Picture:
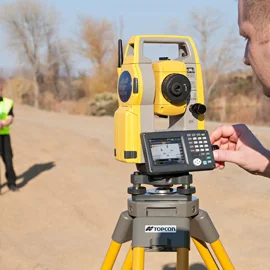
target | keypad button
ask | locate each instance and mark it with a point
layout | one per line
(197, 162)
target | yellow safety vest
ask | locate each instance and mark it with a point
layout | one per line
(5, 106)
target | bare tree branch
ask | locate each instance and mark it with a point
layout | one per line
(98, 38)
(216, 57)
(30, 25)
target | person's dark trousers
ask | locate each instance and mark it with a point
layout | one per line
(7, 155)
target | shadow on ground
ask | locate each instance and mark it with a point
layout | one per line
(32, 173)
(195, 266)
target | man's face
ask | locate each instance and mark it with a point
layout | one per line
(257, 52)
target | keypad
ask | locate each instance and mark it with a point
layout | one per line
(198, 140)
(200, 148)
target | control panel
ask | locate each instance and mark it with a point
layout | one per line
(174, 152)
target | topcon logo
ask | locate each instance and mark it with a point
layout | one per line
(160, 228)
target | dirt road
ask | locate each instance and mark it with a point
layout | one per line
(72, 192)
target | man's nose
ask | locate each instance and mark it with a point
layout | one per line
(246, 61)
(246, 56)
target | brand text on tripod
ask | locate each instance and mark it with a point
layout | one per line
(160, 228)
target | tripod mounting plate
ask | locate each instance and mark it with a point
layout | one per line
(138, 178)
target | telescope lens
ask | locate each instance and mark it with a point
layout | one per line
(176, 88)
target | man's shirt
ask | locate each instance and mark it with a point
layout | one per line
(11, 110)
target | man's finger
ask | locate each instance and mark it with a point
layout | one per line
(227, 156)
(221, 132)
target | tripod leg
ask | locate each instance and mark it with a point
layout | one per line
(138, 258)
(182, 262)
(128, 261)
(203, 229)
(221, 255)
(122, 233)
(111, 256)
(205, 254)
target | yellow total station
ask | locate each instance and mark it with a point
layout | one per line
(171, 88)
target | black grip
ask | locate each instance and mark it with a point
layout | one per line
(215, 147)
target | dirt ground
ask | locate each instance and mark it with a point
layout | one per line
(72, 192)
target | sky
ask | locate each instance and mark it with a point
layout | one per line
(139, 17)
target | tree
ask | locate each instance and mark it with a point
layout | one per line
(31, 26)
(216, 57)
(98, 40)
(98, 43)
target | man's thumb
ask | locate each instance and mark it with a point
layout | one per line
(227, 156)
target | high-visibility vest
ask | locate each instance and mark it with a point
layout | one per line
(5, 106)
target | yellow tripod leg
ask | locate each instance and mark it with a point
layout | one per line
(128, 261)
(221, 255)
(138, 258)
(205, 254)
(111, 256)
(182, 262)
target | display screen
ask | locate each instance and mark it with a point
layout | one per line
(167, 151)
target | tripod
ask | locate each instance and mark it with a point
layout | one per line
(164, 220)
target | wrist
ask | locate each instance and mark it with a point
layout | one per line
(265, 168)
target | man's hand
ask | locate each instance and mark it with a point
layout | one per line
(239, 145)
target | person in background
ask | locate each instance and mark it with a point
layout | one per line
(6, 119)
(237, 143)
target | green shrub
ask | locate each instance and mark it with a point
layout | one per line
(104, 104)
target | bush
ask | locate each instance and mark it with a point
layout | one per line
(104, 104)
